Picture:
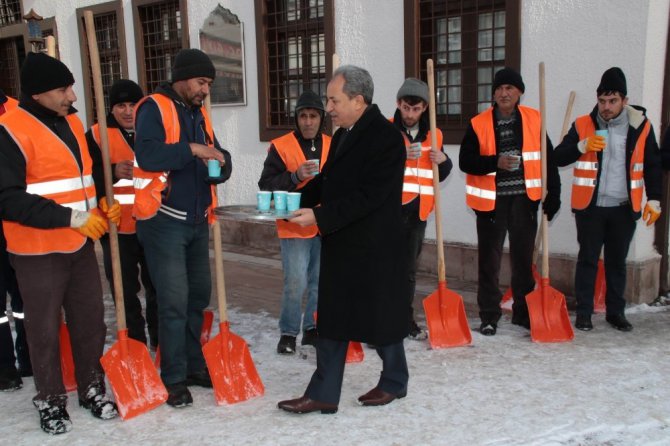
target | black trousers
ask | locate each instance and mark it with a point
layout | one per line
(331, 355)
(133, 268)
(415, 230)
(614, 228)
(515, 215)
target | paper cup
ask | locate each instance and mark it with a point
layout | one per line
(214, 168)
(315, 163)
(263, 198)
(280, 199)
(292, 201)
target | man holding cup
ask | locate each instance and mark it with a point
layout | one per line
(616, 157)
(292, 161)
(501, 157)
(411, 119)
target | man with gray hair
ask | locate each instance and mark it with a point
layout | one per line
(356, 204)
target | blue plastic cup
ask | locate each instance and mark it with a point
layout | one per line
(604, 133)
(214, 168)
(315, 163)
(280, 199)
(293, 201)
(263, 198)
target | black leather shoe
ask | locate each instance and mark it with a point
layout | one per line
(179, 395)
(378, 397)
(488, 328)
(286, 345)
(306, 405)
(522, 320)
(583, 322)
(10, 379)
(619, 322)
(200, 378)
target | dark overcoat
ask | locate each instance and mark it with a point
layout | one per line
(363, 285)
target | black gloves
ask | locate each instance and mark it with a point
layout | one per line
(551, 205)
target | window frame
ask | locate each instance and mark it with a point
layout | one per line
(454, 131)
(268, 132)
(101, 8)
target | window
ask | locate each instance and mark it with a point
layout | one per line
(12, 52)
(468, 40)
(10, 12)
(161, 30)
(294, 44)
(108, 22)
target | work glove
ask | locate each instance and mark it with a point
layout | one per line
(593, 143)
(652, 211)
(113, 214)
(89, 224)
(551, 205)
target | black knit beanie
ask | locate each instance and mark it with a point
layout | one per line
(41, 73)
(190, 63)
(508, 76)
(124, 90)
(613, 80)
(309, 99)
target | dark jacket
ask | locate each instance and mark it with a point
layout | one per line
(187, 189)
(363, 281)
(567, 153)
(665, 149)
(472, 162)
(16, 203)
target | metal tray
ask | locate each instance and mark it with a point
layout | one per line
(249, 212)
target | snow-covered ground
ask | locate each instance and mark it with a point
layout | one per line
(605, 388)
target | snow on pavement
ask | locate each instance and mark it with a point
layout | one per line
(604, 388)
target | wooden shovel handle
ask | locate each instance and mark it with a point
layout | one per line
(441, 274)
(107, 167)
(543, 146)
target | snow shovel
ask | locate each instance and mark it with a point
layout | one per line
(549, 321)
(134, 380)
(445, 313)
(507, 298)
(233, 373)
(600, 288)
(66, 361)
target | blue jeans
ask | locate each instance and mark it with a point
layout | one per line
(301, 259)
(177, 254)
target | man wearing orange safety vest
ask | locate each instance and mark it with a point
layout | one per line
(411, 119)
(612, 169)
(123, 95)
(10, 376)
(500, 155)
(174, 202)
(51, 218)
(288, 167)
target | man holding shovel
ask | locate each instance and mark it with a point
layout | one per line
(411, 119)
(292, 161)
(50, 217)
(356, 203)
(500, 155)
(123, 95)
(616, 157)
(174, 200)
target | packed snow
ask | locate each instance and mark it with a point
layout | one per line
(604, 388)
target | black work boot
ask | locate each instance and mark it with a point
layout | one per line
(54, 418)
(619, 322)
(286, 345)
(98, 402)
(179, 395)
(583, 322)
(200, 378)
(309, 337)
(10, 379)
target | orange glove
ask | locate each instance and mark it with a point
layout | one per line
(95, 227)
(113, 213)
(594, 143)
(652, 211)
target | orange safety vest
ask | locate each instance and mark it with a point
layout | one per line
(124, 192)
(9, 104)
(585, 172)
(291, 153)
(419, 176)
(149, 185)
(53, 173)
(480, 190)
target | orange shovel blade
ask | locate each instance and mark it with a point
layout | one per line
(233, 373)
(549, 320)
(135, 382)
(208, 318)
(66, 361)
(600, 289)
(446, 319)
(355, 352)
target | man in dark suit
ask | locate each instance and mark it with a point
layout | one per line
(362, 285)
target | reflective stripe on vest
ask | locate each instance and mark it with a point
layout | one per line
(585, 172)
(418, 179)
(120, 150)
(480, 190)
(149, 185)
(53, 173)
(292, 155)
